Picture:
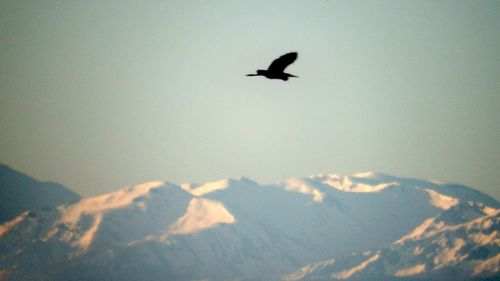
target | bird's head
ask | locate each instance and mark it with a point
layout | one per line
(261, 72)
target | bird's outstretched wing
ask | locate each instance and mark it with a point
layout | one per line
(279, 64)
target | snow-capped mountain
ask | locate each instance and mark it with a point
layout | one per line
(317, 228)
(461, 243)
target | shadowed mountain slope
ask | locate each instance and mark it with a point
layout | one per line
(19, 193)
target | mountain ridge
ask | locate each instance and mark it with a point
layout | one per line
(20, 192)
(450, 246)
(239, 229)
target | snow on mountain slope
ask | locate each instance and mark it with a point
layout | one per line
(201, 214)
(349, 184)
(462, 243)
(81, 234)
(206, 188)
(441, 201)
(300, 186)
(466, 215)
(345, 274)
(374, 182)
(239, 229)
(10, 224)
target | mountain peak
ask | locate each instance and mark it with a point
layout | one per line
(73, 216)
(369, 175)
(233, 229)
(209, 187)
(302, 186)
(362, 182)
(199, 190)
(201, 214)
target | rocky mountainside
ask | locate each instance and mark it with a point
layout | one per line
(19, 193)
(461, 243)
(323, 227)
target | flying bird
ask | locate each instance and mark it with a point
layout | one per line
(277, 68)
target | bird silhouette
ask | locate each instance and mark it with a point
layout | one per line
(277, 68)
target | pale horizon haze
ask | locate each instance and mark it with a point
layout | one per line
(97, 95)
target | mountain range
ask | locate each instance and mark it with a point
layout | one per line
(368, 226)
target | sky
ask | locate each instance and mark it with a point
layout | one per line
(98, 95)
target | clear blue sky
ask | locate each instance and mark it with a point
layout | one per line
(101, 94)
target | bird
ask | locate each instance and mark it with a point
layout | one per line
(277, 67)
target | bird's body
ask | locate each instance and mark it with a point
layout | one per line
(277, 68)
